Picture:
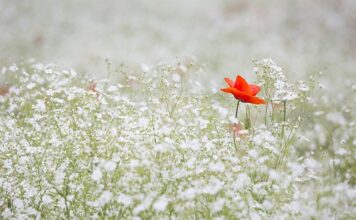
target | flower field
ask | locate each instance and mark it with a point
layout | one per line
(214, 134)
(158, 145)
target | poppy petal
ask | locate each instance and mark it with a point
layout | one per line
(243, 96)
(230, 90)
(256, 100)
(254, 89)
(229, 82)
(241, 84)
(236, 93)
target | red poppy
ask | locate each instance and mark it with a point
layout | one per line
(243, 91)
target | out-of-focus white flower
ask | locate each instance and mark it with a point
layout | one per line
(109, 166)
(336, 118)
(31, 85)
(124, 199)
(40, 106)
(104, 198)
(112, 88)
(176, 77)
(46, 200)
(161, 204)
(218, 205)
(242, 180)
(97, 175)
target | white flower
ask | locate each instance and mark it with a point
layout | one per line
(104, 198)
(176, 77)
(145, 67)
(59, 177)
(13, 68)
(146, 203)
(46, 200)
(188, 193)
(110, 166)
(40, 106)
(97, 175)
(272, 75)
(336, 118)
(303, 87)
(48, 71)
(124, 199)
(218, 205)
(241, 181)
(143, 122)
(18, 203)
(217, 167)
(161, 204)
(31, 85)
(112, 88)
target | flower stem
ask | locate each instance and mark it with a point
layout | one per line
(284, 116)
(237, 108)
(266, 114)
(235, 125)
(280, 159)
(248, 118)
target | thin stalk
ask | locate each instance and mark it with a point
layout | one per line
(266, 114)
(235, 125)
(333, 155)
(272, 113)
(267, 104)
(280, 159)
(248, 118)
(237, 108)
(154, 129)
(284, 116)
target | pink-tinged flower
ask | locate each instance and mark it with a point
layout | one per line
(92, 87)
(238, 129)
(4, 90)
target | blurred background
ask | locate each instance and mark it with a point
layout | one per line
(224, 36)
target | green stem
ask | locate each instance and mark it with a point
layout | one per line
(248, 118)
(266, 114)
(234, 131)
(285, 148)
(284, 116)
(333, 155)
(237, 108)
(280, 159)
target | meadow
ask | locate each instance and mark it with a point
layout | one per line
(127, 117)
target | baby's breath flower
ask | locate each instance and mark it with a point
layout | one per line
(157, 146)
(97, 175)
(272, 77)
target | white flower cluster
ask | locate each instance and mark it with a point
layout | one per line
(71, 148)
(274, 81)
